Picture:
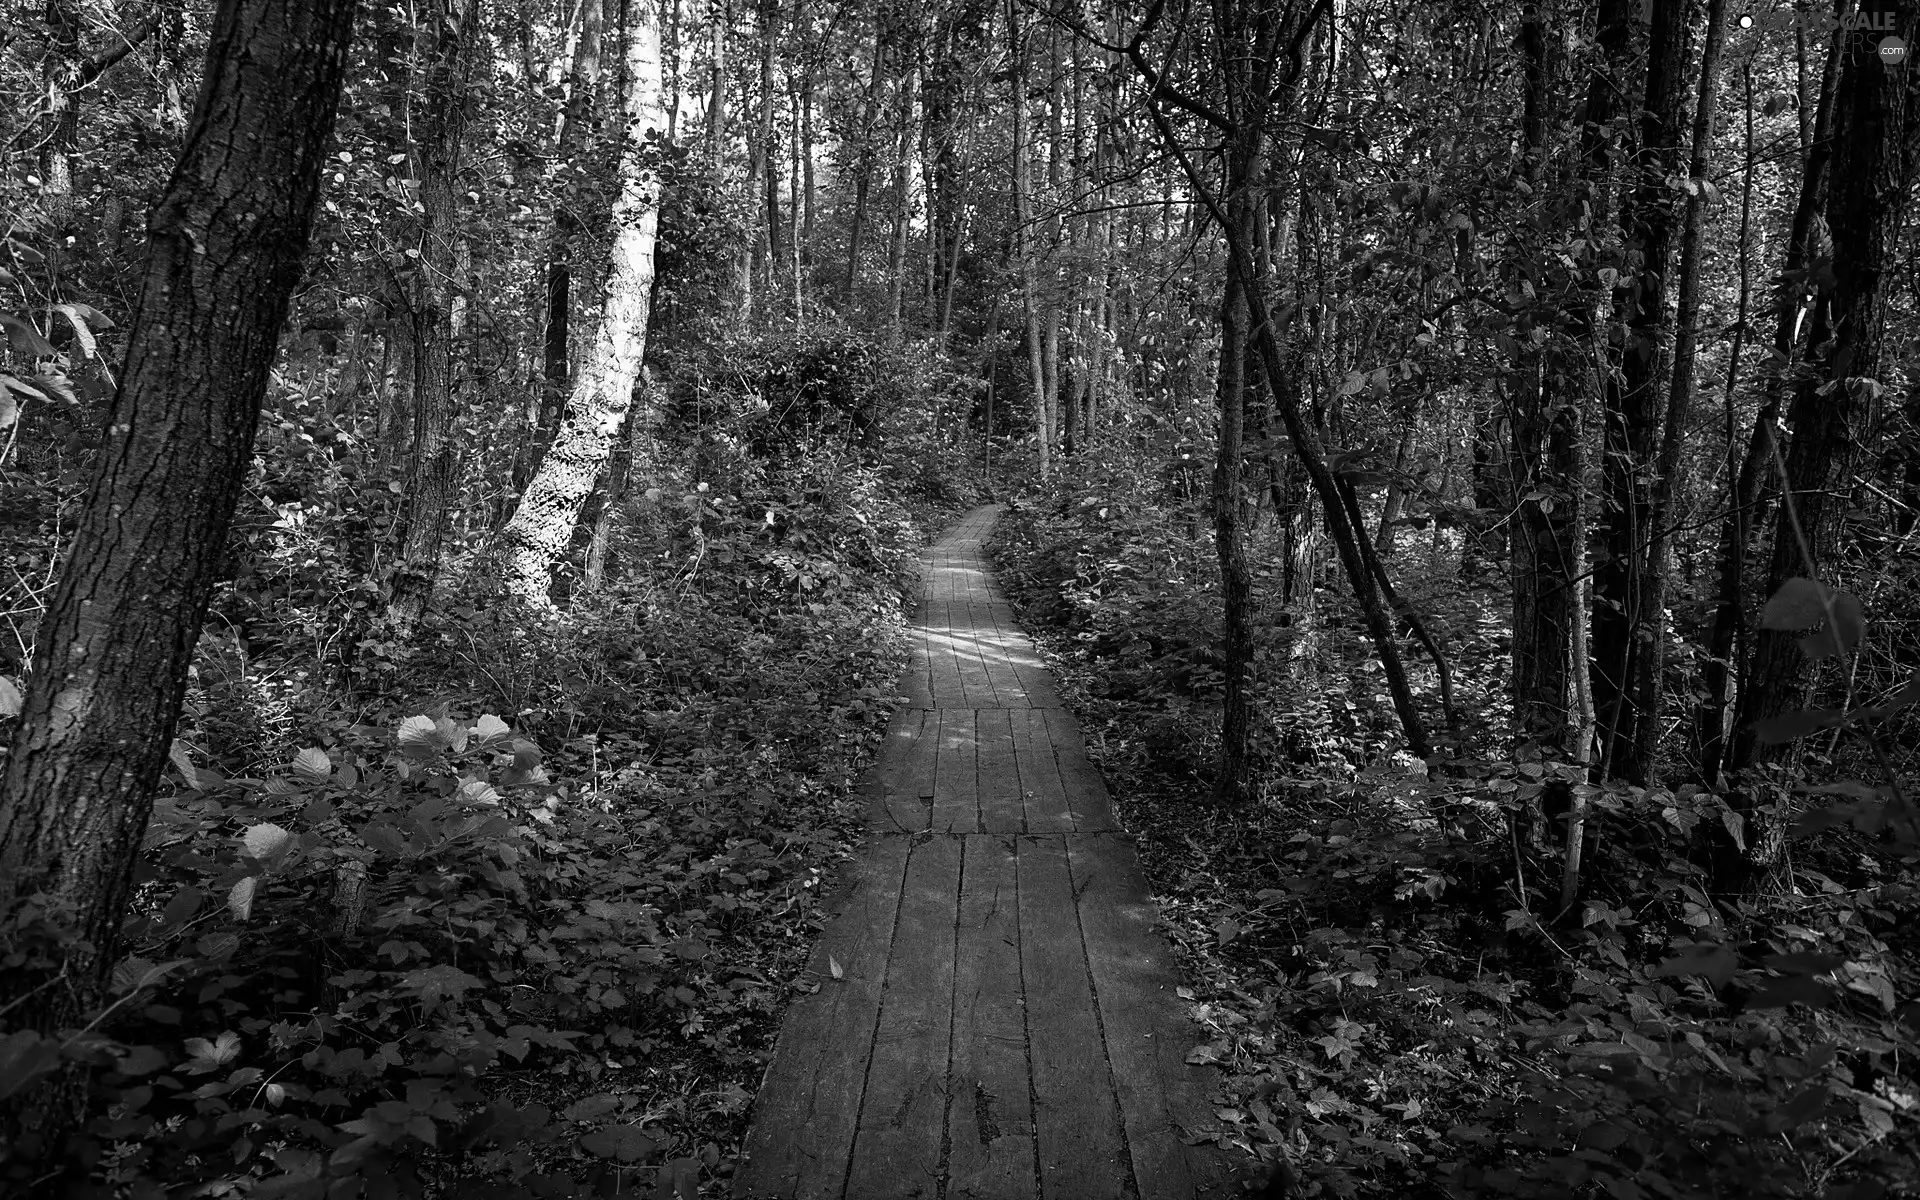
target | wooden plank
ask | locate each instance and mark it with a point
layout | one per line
(1162, 1099)
(956, 805)
(1047, 810)
(896, 1151)
(1029, 668)
(970, 656)
(996, 653)
(1002, 810)
(804, 1118)
(1076, 1116)
(907, 775)
(943, 668)
(882, 780)
(992, 1155)
(1086, 790)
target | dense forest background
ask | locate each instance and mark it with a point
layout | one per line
(462, 464)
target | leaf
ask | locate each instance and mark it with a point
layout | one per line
(418, 733)
(211, 1056)
(385, 839)
(134, 973)
(834, 968)
(13, 383)
(592, 1108)
(25, 1059)
(240, 899)
(140, 1060)
(56, 383)
(1791, 989)
(450, 735)
(95, 319)
(180, 909)
(1802, 1108)
(1789, 726)
(624, 1142)
(679, 1180)
(1839, 636)
(1804, 962)
(1909, 693)
(1351, 384)
(177, 755)
(1799, 604)
(1736, 826)
(25, 339)
(10, 698)
(312, 766)
(1709, 960)
(489, 727)
(266, 840)
(479, 791)
(82, 336)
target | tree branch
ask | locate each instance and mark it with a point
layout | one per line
(92, 66)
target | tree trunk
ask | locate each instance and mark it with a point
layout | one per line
(1023, 243)
(451, 38)
(863, 161)
(1730, 638)
(722, 16)
(1649, 218)
(1650, 664)
(1250, 72)
(575, 118)
(902, 205)
(806, 169)
(110, 660)
(619, 487)
(1233, 781)
(766, 168)
(541, 527)
(1866, 203)
(1543, 464)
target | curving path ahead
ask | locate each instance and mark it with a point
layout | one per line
(996, 1017)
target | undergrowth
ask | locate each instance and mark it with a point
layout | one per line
(509, 906)
(1377, 962)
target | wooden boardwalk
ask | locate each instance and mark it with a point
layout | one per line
(996, 1017)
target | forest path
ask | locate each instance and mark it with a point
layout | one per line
(995, 1017)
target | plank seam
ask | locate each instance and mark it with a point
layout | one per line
(1077, 887)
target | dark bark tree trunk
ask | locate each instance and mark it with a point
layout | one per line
(1649, 219)
(110, 659)
(1650, 661)
(1544, 426)
(1233, 779)
(1867, 200)
(1258, 76)
(450, 40)
(1729, 639)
